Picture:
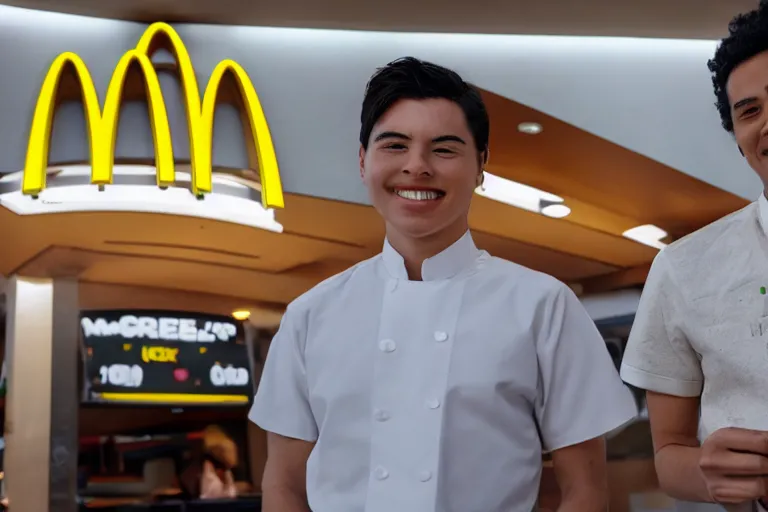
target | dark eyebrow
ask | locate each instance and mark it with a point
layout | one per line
(391, 135)
(744, 102)
(448, 138)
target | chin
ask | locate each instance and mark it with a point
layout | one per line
(417, 229)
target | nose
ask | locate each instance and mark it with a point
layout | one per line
(417, 164)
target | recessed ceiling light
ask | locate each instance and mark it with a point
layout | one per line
(647, 234)
(556, 211)
(515, 194)
(522, 196)
(241, 314)
(530, 128)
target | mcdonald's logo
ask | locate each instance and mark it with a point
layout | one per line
(102, 123)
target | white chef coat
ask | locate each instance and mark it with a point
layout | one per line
(437, 395)
(702, 325)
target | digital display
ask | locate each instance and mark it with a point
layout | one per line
(164, 357)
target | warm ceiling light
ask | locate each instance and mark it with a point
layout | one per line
(241, 314)
(530, 128)
(556, 211)
(522, 196)
(647, 234)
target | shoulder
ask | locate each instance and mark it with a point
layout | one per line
(332, 288)
(687, 260)
(517, 278)
(524, 298)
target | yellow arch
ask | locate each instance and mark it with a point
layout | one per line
(200, 118)
(271, 186)
(202, 179)
(102, 126)
(158, 116)
(36, 163)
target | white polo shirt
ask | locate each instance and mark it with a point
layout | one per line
(437, 395)
(702, 324)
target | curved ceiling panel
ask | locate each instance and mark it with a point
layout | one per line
(651, 18)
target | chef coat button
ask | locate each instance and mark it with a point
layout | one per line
(433, 404)
(380, 473)
(425, 476)
(387, 346)
(380, 415)
(441, 335)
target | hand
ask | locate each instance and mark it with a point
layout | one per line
(213, 487)
(734, 463)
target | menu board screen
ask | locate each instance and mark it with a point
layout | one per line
(165, 357)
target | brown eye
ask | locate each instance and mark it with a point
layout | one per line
(750, 111)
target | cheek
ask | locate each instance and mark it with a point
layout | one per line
(463, 183)
(372, 178)
(378, 172)
(748, 140)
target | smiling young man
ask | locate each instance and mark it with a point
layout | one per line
(430, 377)
(699, 344)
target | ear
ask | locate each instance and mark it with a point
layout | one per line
(483, 162)
(361, 161)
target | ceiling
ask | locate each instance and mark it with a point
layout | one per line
(706, 19)
(609, 189)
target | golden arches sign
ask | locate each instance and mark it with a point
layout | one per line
(102, 124)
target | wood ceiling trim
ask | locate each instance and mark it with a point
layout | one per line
(147, 271)
(100, 296)
(177, 236)
(181, 247)
(333, 220)
(557, 234)
(626, 278)
(590, 170)
(559, 264)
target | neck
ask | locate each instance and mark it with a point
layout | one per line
(415, 250)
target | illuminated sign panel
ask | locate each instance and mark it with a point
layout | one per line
(165, 358)
(102, 123)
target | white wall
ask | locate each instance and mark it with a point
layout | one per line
(651, 96)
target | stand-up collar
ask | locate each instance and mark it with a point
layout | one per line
(452, 261)
(762, 204)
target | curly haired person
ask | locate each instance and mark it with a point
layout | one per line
(699, 345)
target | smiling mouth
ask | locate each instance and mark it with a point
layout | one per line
(420, 195)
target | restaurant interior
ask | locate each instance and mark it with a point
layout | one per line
(139, 270)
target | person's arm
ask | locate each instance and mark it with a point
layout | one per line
(282, 408)
(660, 359)
(731, 466)
(674, 427)
(285, 475)
(581, 398)
(582, 476)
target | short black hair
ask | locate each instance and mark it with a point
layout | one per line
(411, 78)
(747, 37)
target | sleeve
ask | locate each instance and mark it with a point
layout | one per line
(659, 356)
(281, 405)
(581, 396)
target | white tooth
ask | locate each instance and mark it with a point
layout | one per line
(418, 195)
